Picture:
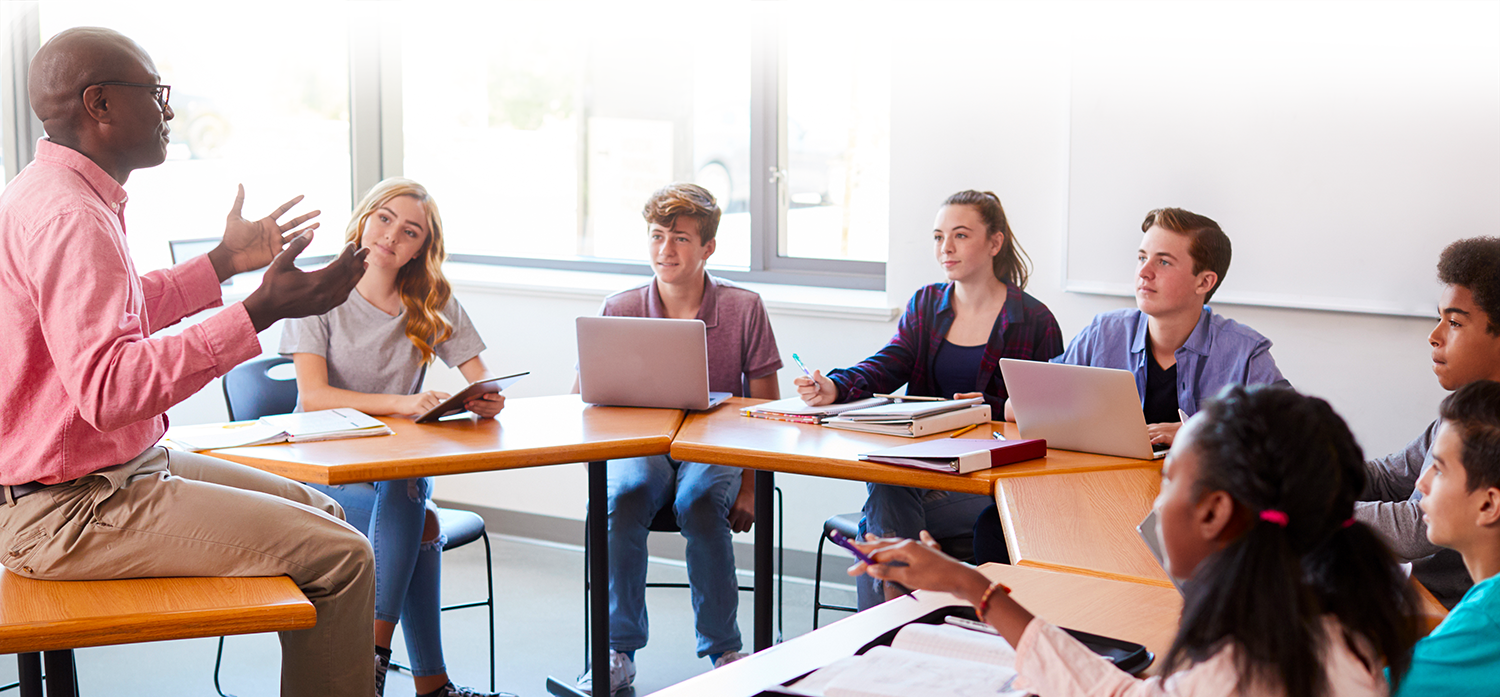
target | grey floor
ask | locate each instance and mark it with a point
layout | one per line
(539, 632)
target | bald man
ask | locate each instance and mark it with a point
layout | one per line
(84, 384)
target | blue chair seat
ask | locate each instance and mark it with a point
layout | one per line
(460, 527)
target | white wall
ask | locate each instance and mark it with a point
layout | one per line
(980, 100)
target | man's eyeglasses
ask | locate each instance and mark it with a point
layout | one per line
(162, 92)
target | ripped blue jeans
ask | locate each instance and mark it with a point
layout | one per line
(408, 572)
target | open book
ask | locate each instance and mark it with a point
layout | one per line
(923, 660)
(328, 424)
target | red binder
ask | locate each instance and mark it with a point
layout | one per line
(960, 455)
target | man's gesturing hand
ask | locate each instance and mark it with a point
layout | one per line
(287, 291)
(248, 245)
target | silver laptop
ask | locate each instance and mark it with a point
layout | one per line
(1091, 410)
(644, 362)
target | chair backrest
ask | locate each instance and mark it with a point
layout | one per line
(250, 392)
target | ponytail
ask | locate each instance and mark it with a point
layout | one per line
(1294, 472)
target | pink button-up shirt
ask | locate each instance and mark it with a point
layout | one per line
(82, 384)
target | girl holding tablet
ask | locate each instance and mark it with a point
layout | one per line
(949, 344)
(371, 354)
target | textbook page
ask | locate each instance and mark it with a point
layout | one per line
(956, 642)
(891, 672)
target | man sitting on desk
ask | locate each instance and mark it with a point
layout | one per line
(83, 384)
(1465, 348)
(709, 500)
(1180, 350)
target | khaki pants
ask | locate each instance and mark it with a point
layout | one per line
(180, 514)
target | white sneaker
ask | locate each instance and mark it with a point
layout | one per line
(728, 657)
(621, 674)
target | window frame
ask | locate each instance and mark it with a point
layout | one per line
(376, 144)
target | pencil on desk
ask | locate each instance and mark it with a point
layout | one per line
(964, 430)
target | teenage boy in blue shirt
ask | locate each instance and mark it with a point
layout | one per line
(1461, 506)
(1180, 350)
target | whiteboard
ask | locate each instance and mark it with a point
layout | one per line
(1340, 145)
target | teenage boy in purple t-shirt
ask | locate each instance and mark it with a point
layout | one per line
(710, 501)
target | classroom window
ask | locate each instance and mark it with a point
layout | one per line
(542, 127)
(837, 133)
(252, 105)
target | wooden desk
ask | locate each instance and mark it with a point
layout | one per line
(1130, 611)
(530, 432)
(1082, 523)
(58, 616)
(721, 436)
(1085, 523)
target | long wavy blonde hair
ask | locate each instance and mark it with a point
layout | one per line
(424, 290)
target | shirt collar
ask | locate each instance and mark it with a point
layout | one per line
(708, 310)
(1198, 342)
(103, 185)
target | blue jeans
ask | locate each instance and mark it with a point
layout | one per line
(903, 511)
(700, 496)
(408, 572)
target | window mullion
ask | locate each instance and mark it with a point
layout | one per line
(767, 139)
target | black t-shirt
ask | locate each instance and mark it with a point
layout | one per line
(955, 368)
(1161, 392)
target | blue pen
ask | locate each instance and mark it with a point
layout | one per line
(800, 365)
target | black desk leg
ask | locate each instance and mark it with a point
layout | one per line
(62, 677)
(598, 533)
(765, 545)
(29, 673)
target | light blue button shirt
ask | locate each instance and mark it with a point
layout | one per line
(1219, 352)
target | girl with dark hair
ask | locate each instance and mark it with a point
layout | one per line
(1284, 593)
(948, 344)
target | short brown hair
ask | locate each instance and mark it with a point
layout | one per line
(1209, 246)
(1474, 412)
(1474, 263)
(1011, 264)
(686, 199)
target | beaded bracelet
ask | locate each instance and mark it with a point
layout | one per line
(984, 600)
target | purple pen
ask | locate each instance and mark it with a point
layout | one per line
(839, 539)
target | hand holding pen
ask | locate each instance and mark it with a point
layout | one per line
(814, 389)
(839, 539)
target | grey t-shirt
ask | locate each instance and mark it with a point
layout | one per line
(1390, 506)
(367, 350)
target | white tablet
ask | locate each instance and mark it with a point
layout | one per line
(455, 404)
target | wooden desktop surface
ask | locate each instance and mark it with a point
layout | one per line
(722, 436)
(53, 615)
(1130, 611)
(529, 432)
(1085, 523)
(1082, 523)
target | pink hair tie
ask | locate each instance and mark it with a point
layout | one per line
(1348, 523)
(1271, 515)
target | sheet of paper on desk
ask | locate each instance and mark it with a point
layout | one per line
(887, 672)
(326, 424)
(936, 660)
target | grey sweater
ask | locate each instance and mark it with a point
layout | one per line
(1390, 506)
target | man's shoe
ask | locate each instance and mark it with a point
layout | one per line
(451, 690)
(621, 674)
(728, 657)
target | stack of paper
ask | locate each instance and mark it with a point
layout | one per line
(915, 423)
(328, 424)
(794, 409)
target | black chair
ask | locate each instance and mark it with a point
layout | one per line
(960, 547)
(848, 525)
(666, 521)
(250, 392)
